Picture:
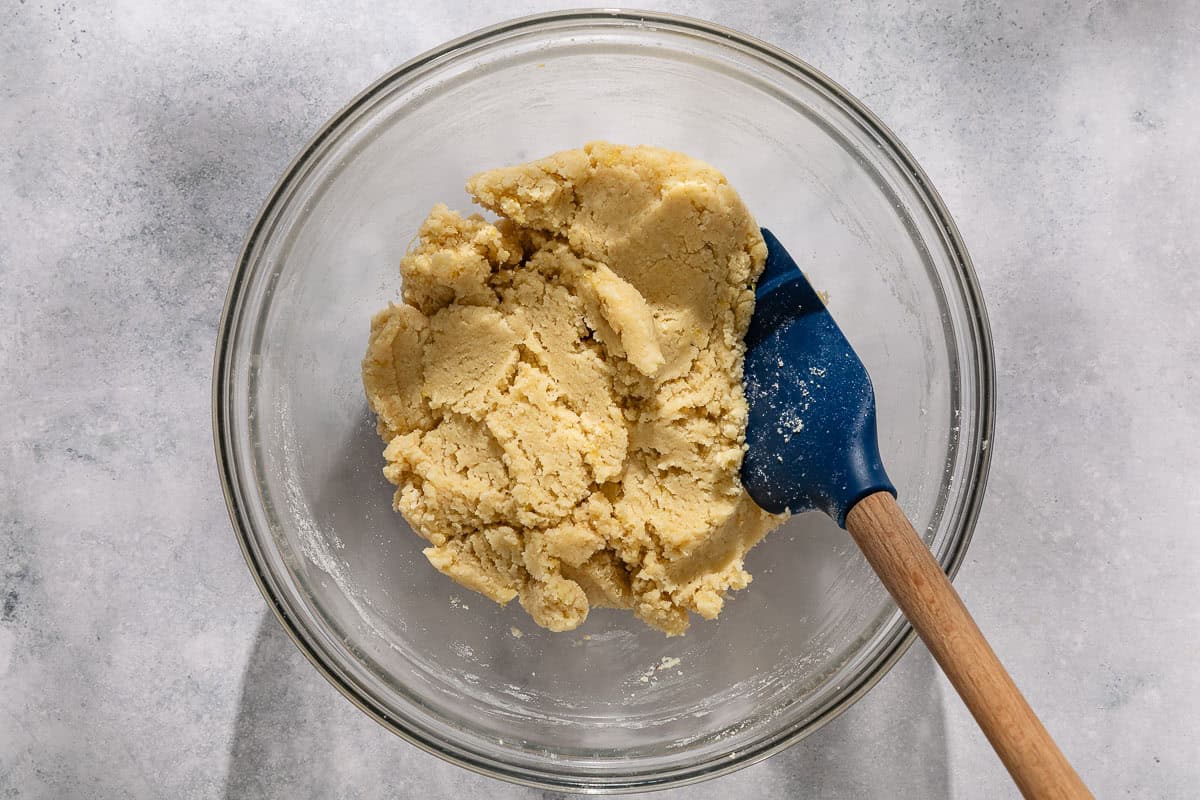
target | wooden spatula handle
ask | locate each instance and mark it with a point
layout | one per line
(928, 599)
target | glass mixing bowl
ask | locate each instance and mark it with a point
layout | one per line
(612, 705)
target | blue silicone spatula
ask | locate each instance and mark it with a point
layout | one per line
(813, 445)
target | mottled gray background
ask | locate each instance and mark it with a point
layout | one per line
(137, 142)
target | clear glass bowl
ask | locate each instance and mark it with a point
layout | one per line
(613, 705)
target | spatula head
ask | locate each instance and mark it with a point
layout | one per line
(811, 434)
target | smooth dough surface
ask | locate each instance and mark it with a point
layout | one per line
(561, 390)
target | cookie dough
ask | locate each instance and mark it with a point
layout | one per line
(561, 390)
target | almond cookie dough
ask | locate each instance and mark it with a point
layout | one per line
(561, 390)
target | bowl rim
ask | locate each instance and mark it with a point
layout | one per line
(977, 466)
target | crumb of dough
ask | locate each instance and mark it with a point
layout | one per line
(561, 390)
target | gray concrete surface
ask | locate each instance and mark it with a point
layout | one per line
(137, 142)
